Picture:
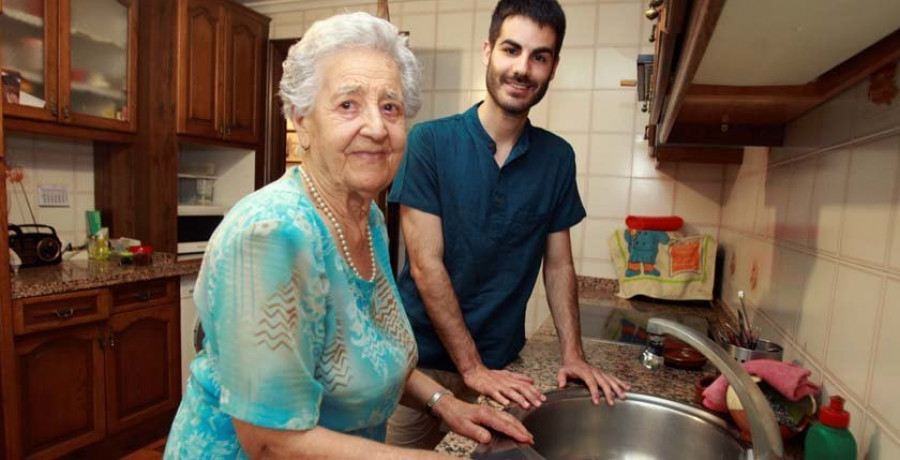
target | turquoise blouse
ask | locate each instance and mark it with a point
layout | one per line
(294, 338)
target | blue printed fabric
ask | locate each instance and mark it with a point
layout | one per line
(294, 338)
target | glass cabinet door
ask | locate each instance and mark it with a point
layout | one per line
(97, 76)
(28, 29)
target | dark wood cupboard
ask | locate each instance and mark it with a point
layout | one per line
(142, 365)
(60, 385)
(71, 63)
(79, 384)
(221, 48)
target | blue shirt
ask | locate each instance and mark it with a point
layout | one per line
(294, 338)
(495, 223)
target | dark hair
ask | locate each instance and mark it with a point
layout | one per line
(544, 12)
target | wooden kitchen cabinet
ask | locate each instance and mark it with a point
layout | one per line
(71, 62)
(61, 390)
(87, 386)
(220, 70)
(142, 365)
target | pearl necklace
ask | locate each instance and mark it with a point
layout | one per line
(337, 228)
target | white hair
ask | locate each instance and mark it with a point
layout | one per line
(301, 81)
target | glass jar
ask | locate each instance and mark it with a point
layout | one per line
(98, 247)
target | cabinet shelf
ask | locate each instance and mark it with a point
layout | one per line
(24, 18)
(109, 93)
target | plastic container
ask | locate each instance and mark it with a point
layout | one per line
(143, 255)
(829, 438)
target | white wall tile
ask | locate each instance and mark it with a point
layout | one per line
(570, 110)
(651, 197)
(791, 269)
(454, 31)
(827, 207)
(580, 26)
(421, 29)
(849, 346)
(803, 134)
(421, 6)
(596, 236)
(618, 24)
(613, 110)
(698, 202)
(870, 191)
(877, 444)
(814, 308)
(894, 256)
(610, 155)
(700, 172)
(886, 376)
(772, 202)
(482, 29)
(796, 225)
(427, 58)
(448, 103)
(612, 65)
(579, 143)
(608, 197)
(540, 114)
(598, 269)
(455, 5)
(573, 70)
(452, 69)
(576, 236)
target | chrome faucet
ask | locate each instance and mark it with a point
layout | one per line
(763, 426)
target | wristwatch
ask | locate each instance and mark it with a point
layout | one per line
(435, 398)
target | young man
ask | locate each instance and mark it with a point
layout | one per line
(485, 198)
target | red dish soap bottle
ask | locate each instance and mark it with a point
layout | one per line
(829, 438)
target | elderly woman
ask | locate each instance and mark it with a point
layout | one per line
(307, 349)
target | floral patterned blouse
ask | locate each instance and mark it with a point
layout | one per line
(294, 338)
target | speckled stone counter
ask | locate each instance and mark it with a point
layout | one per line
(71, 276)
(540, 359)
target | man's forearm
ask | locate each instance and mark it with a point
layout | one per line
(562, 295)
(443, 309)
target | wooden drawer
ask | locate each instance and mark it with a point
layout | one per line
(133, 296)
(60, 310)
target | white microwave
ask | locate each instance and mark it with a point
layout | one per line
(196, 225)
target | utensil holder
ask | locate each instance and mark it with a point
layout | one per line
(764, 350)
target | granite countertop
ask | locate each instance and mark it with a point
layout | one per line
(76, 275)
(540, 360)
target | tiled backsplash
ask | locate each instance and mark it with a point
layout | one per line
(819, 254)
(52, 161)
(585, 105)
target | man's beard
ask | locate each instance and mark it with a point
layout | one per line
(517, 106)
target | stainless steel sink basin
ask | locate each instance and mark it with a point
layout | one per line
(569, 426)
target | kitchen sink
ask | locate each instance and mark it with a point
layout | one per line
(569, 426)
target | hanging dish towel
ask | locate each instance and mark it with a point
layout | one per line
(663, 265)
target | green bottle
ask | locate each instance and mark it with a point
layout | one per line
(829, 438)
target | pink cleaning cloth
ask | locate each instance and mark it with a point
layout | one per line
(789, 379)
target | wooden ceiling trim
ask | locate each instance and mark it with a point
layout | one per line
(704, 16)
(781, 104)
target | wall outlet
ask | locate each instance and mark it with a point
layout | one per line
(53, 196)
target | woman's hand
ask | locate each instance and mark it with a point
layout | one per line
(472, 421)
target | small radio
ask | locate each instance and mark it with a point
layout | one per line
(35, 244)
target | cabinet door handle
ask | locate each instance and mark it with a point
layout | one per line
(66, 112)
(228, 131)
(221, 131)
(64, 313)
(54, 110)
(143, 296)
(112, 340)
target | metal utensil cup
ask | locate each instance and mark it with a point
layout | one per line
(764, 350)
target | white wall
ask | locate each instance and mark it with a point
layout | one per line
(585, 105)
(819, 221)
(52, 161)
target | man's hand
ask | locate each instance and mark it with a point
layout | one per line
(595, 379)
(504, 386)
(472, 421)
